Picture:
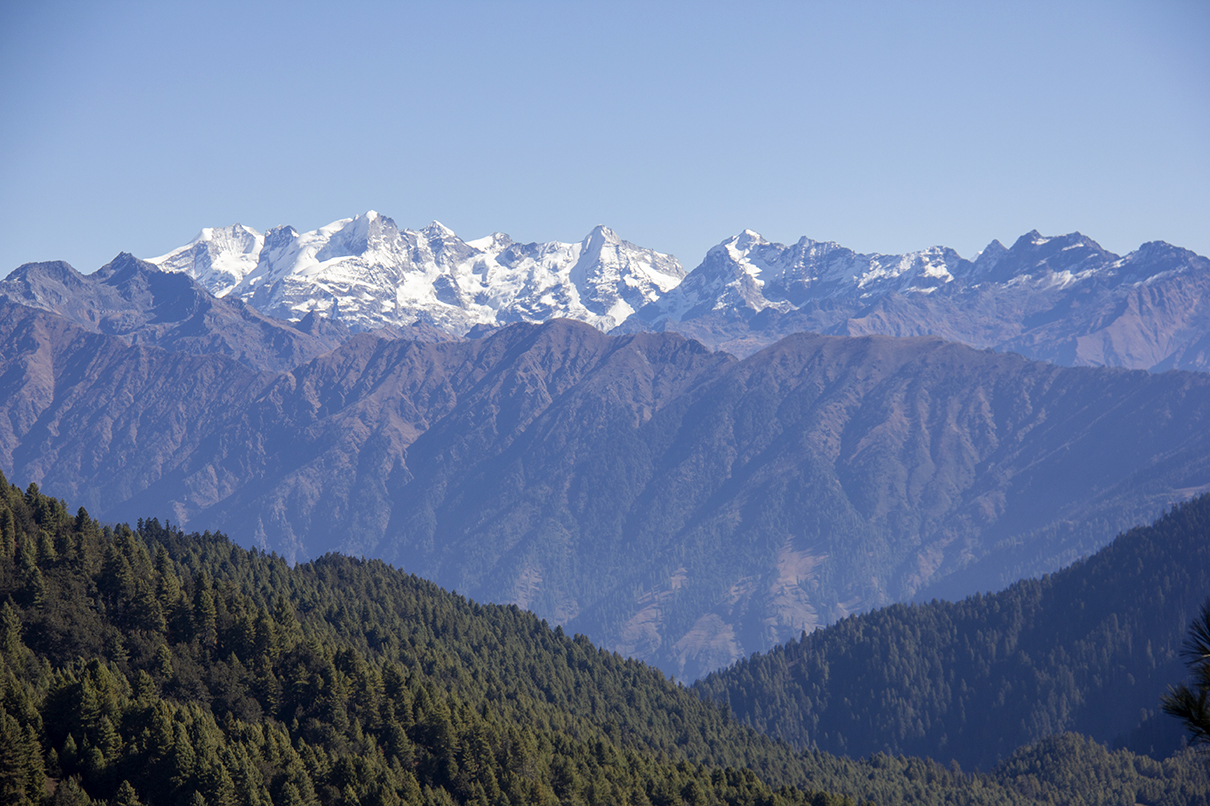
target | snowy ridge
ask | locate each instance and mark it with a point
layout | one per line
(218, 258)
(369, 273)
(1058, 298)
(746, 274)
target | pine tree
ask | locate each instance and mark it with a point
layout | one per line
(163, 663)
(13, 782)
(35, 768)
(109, 741)
(1191, 704)
(126, 796)
(205, 614)
(10, 633)
(70, 793)
(8, 534)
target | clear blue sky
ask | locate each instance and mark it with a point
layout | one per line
(886, 126)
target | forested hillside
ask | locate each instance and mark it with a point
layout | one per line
(1090, 649)
(151, 666)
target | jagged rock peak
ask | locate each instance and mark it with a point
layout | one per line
(126, 263)
(747, 239)
(602, 234)
(438, 231)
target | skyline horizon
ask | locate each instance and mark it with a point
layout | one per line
(883, 128)
(687, 265)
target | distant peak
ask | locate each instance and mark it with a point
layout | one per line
(747, 239)
(364, 222)
(1071, 240)
(436, 229)
(600, 236)
(990, 256)
(993, 249)
(497, 241)
(54, 268)
(1156, 247)
(375, 220)
(211, 234)
(1031, 238)
(125, 264)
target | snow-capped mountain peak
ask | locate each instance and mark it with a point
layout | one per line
(373, 274)
(355, 236)
(601, 234)
(369, 273)
(495, 243)
(986, 260)
(218, 258)
(438, 231)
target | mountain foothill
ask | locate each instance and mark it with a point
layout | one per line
(1091, 648)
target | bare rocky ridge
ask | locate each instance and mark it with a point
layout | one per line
(674, 503)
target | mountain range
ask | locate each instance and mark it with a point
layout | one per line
(675, 503)
(760, 474)
(1061, 299)
(367, 273)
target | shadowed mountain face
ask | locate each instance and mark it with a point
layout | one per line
(135, 300)
(1091, 649)
(676, 504)
(93, 415)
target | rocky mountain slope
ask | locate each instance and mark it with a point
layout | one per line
(674, 503)
(1061, 299)
(135, 300)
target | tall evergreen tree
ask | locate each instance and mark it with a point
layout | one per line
(1191, 703)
